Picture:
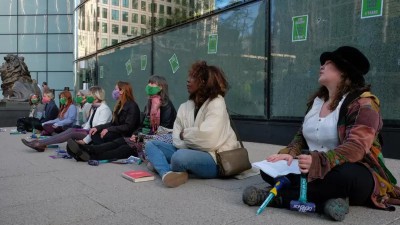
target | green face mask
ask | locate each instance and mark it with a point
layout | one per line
(90, 99)
(63, 101)
(34, 101)
(78, 99)
(150, 90)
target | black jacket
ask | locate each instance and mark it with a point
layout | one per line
(126, 122)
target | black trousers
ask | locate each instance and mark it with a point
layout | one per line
(28, 124)
(349, 180)
(110, 136)
(116, 149)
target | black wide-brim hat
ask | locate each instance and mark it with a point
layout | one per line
(348, 60)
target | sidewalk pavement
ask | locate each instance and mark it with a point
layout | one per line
(36, 189)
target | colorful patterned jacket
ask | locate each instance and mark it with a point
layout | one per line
(358, 127)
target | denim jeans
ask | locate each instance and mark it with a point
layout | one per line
(165, 157)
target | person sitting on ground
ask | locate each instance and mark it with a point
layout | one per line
(341, 129)
(125, 117)
(201, 128)
(35, 114)
(66, 117)
(100, 113)
(83, 106)
(50, 109)
(124, 147)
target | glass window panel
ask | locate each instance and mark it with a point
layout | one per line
(61, 24)
(134, 18)
(59, 80)
(124, 30)
(115, 2)
(125, 16)
(104, 12)
(125, 3)
(115, 29)
(161, 9)
(35, 62)
(60, 62)
(32, 24)
(8, 24)
(26, 7)
(135, 4)
(105, 1)
(143, 19)
(42, 76)
(143, 6)
(60, 42)
(114, 14)
(32, 43)
(61, 6)
(240, 53)
(104, 27)
(134, 31)
(8, 43)
(114, 41)
(11, 8)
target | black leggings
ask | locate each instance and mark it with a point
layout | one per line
(116, 149)
(349, 180)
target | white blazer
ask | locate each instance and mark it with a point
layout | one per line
(211, 131)
(103, 115)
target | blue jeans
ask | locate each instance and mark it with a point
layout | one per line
(165, 157)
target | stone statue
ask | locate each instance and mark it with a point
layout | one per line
(17, 83)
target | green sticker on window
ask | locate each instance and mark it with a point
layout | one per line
(299, 28)
(128, 67)
(101, 72)
(173, 61)
(143, 62)
(371, 8)
(212, 43)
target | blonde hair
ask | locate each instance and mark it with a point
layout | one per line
(98, 92)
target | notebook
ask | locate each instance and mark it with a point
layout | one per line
(279, 168)
(137, 175)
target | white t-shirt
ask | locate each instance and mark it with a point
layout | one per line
(321, 133)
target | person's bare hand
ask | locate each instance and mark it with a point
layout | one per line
(133, 138)
(277, 157)
(81, 142)
(304, 163)
(92, 131)
(103, 133)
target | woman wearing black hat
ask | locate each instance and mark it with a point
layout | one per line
(341, 130)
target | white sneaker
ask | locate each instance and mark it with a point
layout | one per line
(174, 179)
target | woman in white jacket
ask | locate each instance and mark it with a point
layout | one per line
(201, 128)
(100, 113)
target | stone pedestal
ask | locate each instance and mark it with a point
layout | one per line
(11, 111)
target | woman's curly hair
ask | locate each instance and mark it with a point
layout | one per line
(211, 80)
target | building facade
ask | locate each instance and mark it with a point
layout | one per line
(42, 32)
